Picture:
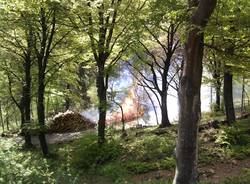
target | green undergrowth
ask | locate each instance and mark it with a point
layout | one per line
(143, 150)
(28, 166)
(118, 159)
(226, 143)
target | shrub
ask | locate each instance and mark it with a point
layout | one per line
(115, 171)
(232, 136)
(89, 153)
(140, 167)
(167, 163)
(152, 148)
(22, 167)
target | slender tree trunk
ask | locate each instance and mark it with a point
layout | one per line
(164, 111)
(122, 119)
(22, 119)
(217, 79)
(1, 117)
(243, 96)
(27, 101)
(211, 95)
(228, 95)
(218, 93)
(164, 92)
(67, 99)
(7, 120)
(41, 115)
(102, 96)
(16, 120)
(189, 94)
(152, 102)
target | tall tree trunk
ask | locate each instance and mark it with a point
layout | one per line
(218, 93)
(1, 117)
(189, 94)
(7, 120)
(164, 92)
(153, 105)
(123, 120)
(242, 109)
(67, 99)
(41, 114)
(27, 101)
(217, 78)
(164, 111)
(102, 96)
(228, 95)
(22, 119)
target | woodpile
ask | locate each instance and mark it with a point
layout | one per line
(69, 121)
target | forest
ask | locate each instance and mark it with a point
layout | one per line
(124, 91)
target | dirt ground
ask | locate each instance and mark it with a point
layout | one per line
(211, 173)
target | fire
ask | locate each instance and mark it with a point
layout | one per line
(131, 109)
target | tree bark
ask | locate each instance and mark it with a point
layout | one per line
(1, 117)
(41, 114)
(242, 109)
(216, 73)
(102, 96)
(164, 111)
(228, 95)
(218, 93)
(7, 120)
(189, 94)
(67, 99)
(27, 99)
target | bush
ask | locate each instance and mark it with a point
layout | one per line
(140, 167)
(167, 163)
(115, 171)
(89, 154)
(152, 148)
(232, 136)
(240, 152)
(22, 167)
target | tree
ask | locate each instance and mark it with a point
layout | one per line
(229, 38)
(108, 31)
(228, 91)
(20, 46)
(159, 42)
(215, 67)
(159, 61)
(189, 94)
(48, 36)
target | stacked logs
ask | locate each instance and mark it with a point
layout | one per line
(69, 121)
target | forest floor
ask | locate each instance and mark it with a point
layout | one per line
(145, 156)
(213, 173)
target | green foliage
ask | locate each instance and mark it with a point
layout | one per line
(114, 170)
(29, 167)
(90, 154)
(167, 163)
(232, 136)
(235, 140)
(140, 167)
(22, 167)
(212, 155)
(152, 147)
(144, 167)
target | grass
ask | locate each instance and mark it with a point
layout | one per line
(142, 151)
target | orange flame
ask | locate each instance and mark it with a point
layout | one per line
(131, 109)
